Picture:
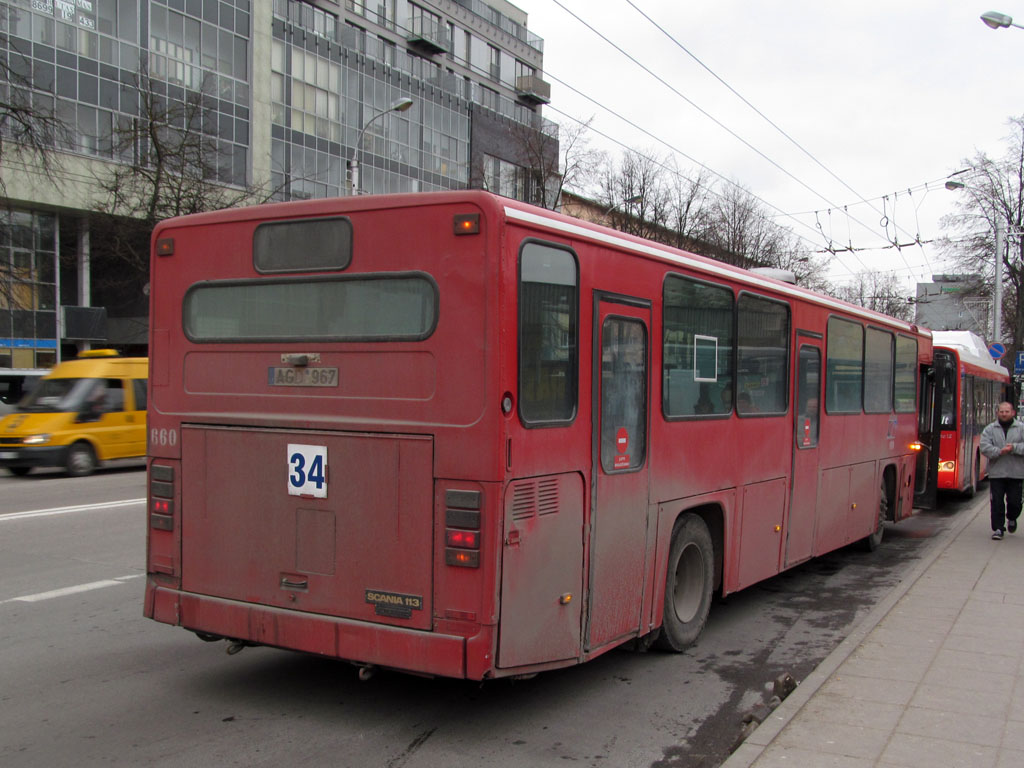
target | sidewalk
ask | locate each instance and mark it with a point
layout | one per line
(932, 678)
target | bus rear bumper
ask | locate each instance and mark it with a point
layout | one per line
(428, 653)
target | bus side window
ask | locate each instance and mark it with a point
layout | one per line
(844, 366)
(762, 379)
(905, 375)
(697, 357)
(808, 385)
(878, 369)
(548, 328)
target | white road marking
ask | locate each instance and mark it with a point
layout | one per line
(63, 592)
(69, 510)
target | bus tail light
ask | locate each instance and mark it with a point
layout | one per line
(161, 497)
(462, 539)
(947, 466)
(462, 528)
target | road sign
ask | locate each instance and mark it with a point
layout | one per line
(1018, 365)
(996, 349)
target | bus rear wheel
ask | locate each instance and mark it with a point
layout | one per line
(689, 581)
(874, 540)
(19, 471)
(81, 460)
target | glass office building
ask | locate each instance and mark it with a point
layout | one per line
(286, 93)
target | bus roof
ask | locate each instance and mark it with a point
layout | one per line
(970, 348)
(524, 213)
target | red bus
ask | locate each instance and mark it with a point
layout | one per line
(453, 434)
(972, 385)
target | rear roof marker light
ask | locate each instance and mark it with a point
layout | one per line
(467, 224)
(165, 246)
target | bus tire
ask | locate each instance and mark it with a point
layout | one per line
(19, 471)
(81, 459)
(874, 540)
(689, 581)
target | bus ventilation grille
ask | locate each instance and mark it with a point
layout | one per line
(534, 497)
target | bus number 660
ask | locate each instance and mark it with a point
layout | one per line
(163, 437)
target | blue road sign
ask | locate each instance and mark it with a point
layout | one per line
(1018, 365)
(996, 349)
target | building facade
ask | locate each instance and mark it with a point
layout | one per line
(287, 96)
(954, 303)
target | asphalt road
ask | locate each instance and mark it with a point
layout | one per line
(86, 680)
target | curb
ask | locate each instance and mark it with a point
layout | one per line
(755, 744)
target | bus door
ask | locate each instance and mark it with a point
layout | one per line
(619, 506)
(804, 487)
(935, 407)
(965, 431)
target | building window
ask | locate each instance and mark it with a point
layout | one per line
(28, 290)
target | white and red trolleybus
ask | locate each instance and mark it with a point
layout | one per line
(972, 384)
(453, 434)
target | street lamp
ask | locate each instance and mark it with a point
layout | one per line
(399, 105)
(997, 291)
(997, 20)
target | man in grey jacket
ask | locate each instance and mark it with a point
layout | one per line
(1002, 442)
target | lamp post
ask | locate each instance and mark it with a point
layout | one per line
(997, 20)
(399, 105)
(997, 291)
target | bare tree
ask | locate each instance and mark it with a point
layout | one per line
(168, 166)
(636, 196)
(994, 193)
(688, 215)
(878, 291)
(740, 227)
(29, 126)
(550, 157)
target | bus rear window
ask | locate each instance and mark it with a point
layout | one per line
(306, 245)
(377, 308)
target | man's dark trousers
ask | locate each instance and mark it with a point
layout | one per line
(1005, 500)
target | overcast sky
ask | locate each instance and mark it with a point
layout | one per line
(888, 95)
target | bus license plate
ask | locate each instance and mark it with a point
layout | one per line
(302, 377)
(9, 455)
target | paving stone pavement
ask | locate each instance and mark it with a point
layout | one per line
(932, 678)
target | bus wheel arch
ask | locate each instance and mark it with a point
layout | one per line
(689, 582)
(80, 459)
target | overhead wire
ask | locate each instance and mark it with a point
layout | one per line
(702, 111)
(761, 114)
(622, 144)
(673, 148)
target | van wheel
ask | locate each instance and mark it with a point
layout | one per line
(19, 471)
(81, 460)
(689, 580)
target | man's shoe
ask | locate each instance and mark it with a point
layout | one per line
(997, 534)
(1011, 526)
